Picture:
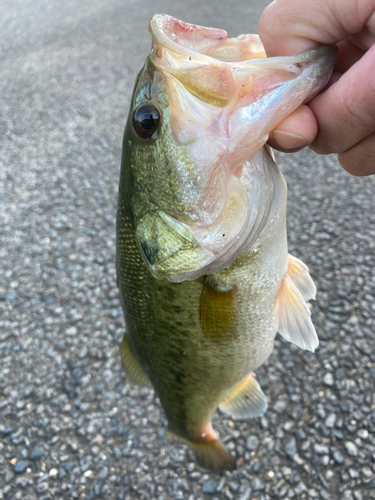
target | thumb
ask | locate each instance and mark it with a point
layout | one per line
(290, 26)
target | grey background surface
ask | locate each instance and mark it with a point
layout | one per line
(71, 425)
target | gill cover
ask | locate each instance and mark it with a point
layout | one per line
(201, 184)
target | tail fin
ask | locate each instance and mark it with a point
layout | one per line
(213, 455)
(210, 451)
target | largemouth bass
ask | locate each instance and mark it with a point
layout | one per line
(203, 268)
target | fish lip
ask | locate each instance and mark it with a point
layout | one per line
(293, 63)
(160, 23)
(310, 55)
(157, 28)
(318, 52)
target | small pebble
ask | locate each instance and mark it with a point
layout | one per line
(71, 332)
(328, 379)
(280, 406)
(41, 487)
(257, 484)
(321, 449)
(351, 448)
(363, 433)
(209, 487)
(324, 494)
(338, 457)
(330, 421)
(36, 453)
(21, 466)
(85, 463)
(252, 442)
(290, 447)
(8, 476)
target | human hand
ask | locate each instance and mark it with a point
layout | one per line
(341, 119)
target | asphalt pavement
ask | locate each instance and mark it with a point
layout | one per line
(71, 424)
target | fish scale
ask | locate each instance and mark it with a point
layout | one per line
(205, 278)
(169, 335)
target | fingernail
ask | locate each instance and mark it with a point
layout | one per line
(287, 140)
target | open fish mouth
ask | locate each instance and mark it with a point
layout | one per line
(224, 98)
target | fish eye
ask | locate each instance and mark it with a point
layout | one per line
(146, 120)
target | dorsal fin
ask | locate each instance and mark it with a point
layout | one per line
(295, 323)
(300, 275)
(131, 365)
(247, 400)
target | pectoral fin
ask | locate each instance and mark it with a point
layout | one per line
(217, 312)
(247, 400)
(300, 275)
(295, 323)
(133, 369)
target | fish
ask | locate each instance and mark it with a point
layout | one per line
(203, 269)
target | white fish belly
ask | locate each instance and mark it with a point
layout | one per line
(258, 275)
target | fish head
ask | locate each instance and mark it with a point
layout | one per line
(202, 108)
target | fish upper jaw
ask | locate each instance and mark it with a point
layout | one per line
(183, 39)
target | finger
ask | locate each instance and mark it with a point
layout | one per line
(295, 132)
(360, 159)
(346, 111)
(365, 38)
(348, 55)
(290, 26)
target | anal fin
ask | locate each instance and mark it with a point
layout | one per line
(300, 275)
(131, 365)
(247, 400)
(295, 323)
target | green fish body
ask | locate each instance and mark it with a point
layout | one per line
(203, 268)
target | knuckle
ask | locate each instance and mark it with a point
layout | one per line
(347, 163)
(360, 159)
(359, 106)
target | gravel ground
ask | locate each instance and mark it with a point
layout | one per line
(71, 425)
